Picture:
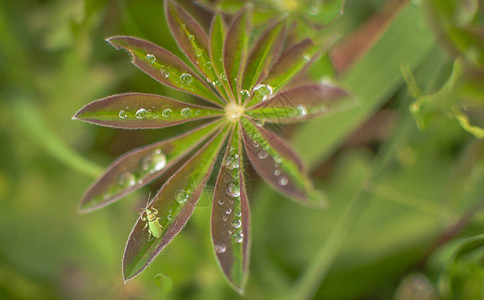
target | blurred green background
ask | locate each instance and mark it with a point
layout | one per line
(404, 201)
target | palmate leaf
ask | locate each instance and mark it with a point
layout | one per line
(279, 165)
(302, 103)
(175, 203)
(230, 215)
(140, 166)
(136, 110)
(164, 67)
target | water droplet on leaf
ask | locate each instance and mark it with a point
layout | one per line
(122, 114)
(141, 114)
(264, 91)
(283, 180)
(236, 223)
(186, 112)
(220, 248)
(166, 113)
(126, 179)
(186, 78)
(233, 189)
(181, 196)
(150, 58)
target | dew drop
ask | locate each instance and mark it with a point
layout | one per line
(186, 78)
(264, 91)
(191, 37)
(232, 161)
(166, 113)
(126, 179)
(141, 114)
(198, 52)
(150, 58)
(262, 154)
(220, 248)
(233, 189)
(283, 181)
(154, 162)
(238, 214)
(181, 196)
(307, 57)
(220, 201)
(239, 237)
(237, 223)
(208, 65)
(217, 82)
(169, 217)
(224, 219)
(302, 110)
(228, 211)
(245, 94)
(277, 172)
(277, 159)
(223, 76)
(186, 112)
(122, 114)
(164, 71)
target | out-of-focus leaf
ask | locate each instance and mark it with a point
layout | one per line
(302, 103)
(140, 166)
(174, 203)
(164, 67)
(135, 110)
(266, 50)
(218, 32)
(230, 216)
(165, 282)
(464, 275)
(279, 165)
(191, 37)
(290, 64)
(415, 287)
(235, 49)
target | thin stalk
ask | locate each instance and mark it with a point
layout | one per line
(29, 119)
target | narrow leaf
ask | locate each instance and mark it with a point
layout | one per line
(265, 52)
(164, 67)
(135, 110)
(290, 64)
(302, 103)
(174, 204)
(279, 165)
(235, 49)
(218, 33)
(230, 216)
(140, 166)
(191, 38)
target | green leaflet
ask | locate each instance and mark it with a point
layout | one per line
(230, 215)
(136, 110)
(164, 67)
(279, 165)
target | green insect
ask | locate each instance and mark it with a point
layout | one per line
(152, 222)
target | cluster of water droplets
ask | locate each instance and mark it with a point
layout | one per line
(263, 153)
(143, 113)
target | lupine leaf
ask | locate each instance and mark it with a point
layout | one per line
(289, 64)
(230, 215)
(136, 110)
(235, 49)
(164, 66)
(218, 32)
(191, 37)
(140, 166)
(302, 103)
(175, 202)
(266, 50)
(279, 165)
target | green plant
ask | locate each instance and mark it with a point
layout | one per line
(237, 92)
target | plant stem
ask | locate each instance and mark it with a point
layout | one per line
(29, 119)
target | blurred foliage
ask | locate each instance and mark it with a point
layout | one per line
(400, 197)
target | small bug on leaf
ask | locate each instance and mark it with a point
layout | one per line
(152, 222)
